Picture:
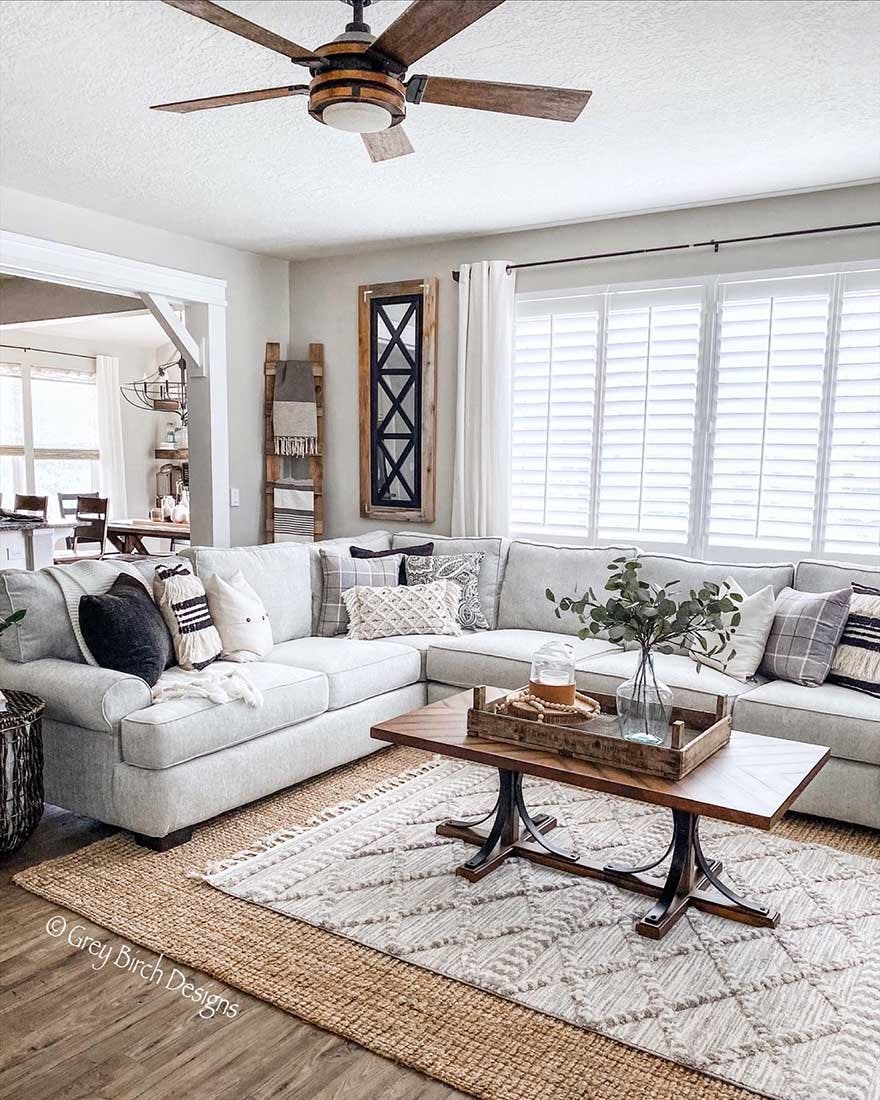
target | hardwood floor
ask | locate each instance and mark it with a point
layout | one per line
(71, 1032)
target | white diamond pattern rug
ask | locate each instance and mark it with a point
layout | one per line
(791, 1012)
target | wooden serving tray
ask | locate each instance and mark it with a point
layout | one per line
(694, 735)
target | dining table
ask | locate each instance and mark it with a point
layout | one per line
(127, 535)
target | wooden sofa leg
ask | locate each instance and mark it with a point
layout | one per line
(164, 843)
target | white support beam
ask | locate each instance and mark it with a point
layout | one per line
(176, 332)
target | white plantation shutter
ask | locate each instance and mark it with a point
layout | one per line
(554, 392)
(632, 420)
(771, 356)
(648, 414)
(852, 520)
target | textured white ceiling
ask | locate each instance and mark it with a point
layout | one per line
(693, 101)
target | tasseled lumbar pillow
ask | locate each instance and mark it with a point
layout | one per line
(180, 596)
(857, 658)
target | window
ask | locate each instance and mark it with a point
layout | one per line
(852, 517)
(48, 429)
(771, 355)
(652, 352)
(554, 401)
(736, 415)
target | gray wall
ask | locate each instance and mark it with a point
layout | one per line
(258, 303)
(324, 297)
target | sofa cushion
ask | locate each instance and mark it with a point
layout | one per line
(170, 732)
(691, 573)
(421, 643)
(45, 631)
(494, 551)
(355, 670)
(533, 567)
(847, 721)
(824, 576)
(499, 658)
(278, 573)
(690, 688)
(370, 540)
(78, 694)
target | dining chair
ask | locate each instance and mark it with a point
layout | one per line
(36, 506)
(91, 526)
(67, 506)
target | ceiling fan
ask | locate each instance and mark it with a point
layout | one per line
(359, 82)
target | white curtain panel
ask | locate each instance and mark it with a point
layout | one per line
(481, 476)
(110, 436)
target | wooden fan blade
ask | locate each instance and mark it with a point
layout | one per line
(230, 100)
(387, 144)
(427, 24)
(535, 100)
(237, 24)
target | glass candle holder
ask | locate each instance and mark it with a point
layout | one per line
(552, 673)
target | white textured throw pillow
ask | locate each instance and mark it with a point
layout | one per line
(240, 617)
(749, 639)
(401, 609)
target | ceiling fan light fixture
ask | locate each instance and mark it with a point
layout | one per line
(357, 117)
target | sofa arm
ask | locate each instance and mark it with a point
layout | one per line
(78, 694)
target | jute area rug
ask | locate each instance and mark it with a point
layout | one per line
(475, 1040)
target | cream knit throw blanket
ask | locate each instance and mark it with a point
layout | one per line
(94, 578)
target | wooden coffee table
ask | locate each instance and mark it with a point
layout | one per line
(751, 781)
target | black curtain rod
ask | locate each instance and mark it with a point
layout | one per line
(45, 351)
(714, 244)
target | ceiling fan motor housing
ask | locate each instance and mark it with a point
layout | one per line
(348, 74)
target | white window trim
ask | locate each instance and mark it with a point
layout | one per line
(704, 425)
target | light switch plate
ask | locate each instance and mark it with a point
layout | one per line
(234, 498)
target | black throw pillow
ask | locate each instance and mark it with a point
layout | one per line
(125, 630)
(424, 550)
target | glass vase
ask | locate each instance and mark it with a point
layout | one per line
(644, 705)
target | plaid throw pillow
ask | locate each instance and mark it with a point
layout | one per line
(805, 632)
(857, 660)
(341, 572)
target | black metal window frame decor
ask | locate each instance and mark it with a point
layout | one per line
(387, 469)
(398, 399)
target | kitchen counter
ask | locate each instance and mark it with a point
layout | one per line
(30, 544)
(31, 525)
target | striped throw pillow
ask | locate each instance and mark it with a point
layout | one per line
(857, 659)
(180, 596)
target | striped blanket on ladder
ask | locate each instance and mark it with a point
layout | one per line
(293, 502)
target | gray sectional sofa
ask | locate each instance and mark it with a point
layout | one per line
(158, 769)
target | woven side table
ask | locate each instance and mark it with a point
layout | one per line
(21, 768)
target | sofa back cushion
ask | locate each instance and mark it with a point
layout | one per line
(494, 551)
(692, 573)
(533, 567)
(825, 576)
(278, 573)
(371, 540)
(45, 631)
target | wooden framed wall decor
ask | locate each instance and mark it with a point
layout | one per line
(397, 352)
